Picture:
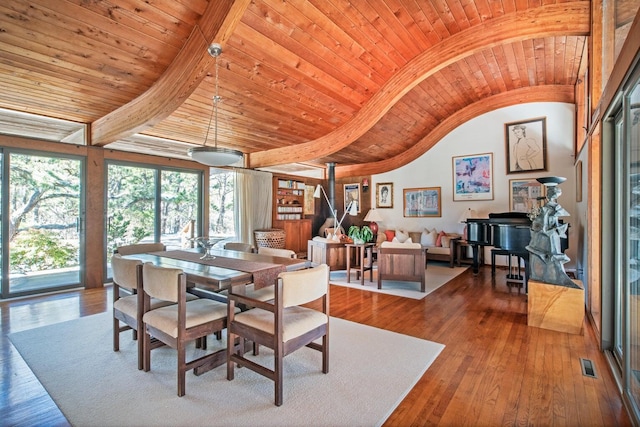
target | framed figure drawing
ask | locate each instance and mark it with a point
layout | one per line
(524, 194)
(422, 202)
(526, 145)
(384, 195)
(473, 177)
(352, 194)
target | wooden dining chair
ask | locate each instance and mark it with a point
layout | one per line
(140, 248)
(285, 253)
(127, 301)
(177, 324)
(283, 325)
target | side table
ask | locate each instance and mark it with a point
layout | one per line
(361, 250)
(458, 246)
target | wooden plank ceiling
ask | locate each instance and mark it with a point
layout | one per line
(368, 84)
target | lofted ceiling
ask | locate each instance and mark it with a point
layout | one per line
(367, 84)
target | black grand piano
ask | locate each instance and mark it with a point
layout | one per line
(509, 232)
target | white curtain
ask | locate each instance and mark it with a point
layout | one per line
(254, 198)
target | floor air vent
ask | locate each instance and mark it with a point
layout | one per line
(588, 370)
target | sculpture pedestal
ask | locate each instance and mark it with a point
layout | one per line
(555, 307)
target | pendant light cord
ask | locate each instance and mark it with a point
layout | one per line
(216, 99)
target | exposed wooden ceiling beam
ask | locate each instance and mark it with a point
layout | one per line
(546, 21)
(180, 79)
(550, 93)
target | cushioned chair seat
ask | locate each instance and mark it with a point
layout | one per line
(198, 312)
(263, 294)
(297, 320)
(438, 250)
(129, 305)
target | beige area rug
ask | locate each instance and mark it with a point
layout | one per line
(437, 274)
(371, 370)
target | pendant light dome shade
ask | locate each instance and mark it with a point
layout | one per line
(215, 156)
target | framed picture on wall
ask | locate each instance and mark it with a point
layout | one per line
(384, 195)
(524, 194)
(352, 194)
(473, 177)
(422, 202)
(526, 145)
(309, 201)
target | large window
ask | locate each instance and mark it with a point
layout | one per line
(631, 310)
(625, 278)
(222, 205)
(152, 204)
(41, 244)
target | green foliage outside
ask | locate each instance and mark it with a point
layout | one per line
(37, 250)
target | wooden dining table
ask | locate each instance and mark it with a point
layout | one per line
(207, 277)
(228, 268)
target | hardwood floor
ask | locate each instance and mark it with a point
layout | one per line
(494, 370)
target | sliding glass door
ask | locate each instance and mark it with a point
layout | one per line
(631, 309)
(625, 307)
(41, 240)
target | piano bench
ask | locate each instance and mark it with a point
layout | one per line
(509, 254)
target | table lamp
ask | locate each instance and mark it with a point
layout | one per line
(374, 217)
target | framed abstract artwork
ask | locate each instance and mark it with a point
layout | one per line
(384, 195)
(526, 145)
(422, 202)
(473, 177)
(525, 194)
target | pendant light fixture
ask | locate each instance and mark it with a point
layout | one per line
(215, 156)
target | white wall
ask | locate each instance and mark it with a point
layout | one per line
(484, 134)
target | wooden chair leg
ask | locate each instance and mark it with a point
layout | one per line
(278, 378)
(181, 369)
(116, 334)
(231, 339)
(325, 354)
(146, 363)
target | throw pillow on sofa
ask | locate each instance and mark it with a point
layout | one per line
(439, 238)
(402, 235)
(395, 240)
(390, 234)
(428, 238)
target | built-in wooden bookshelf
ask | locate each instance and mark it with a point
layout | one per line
(289, 200)
(288, 213)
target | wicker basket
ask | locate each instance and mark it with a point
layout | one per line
(270, 238)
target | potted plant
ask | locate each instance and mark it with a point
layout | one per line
(360, 235)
